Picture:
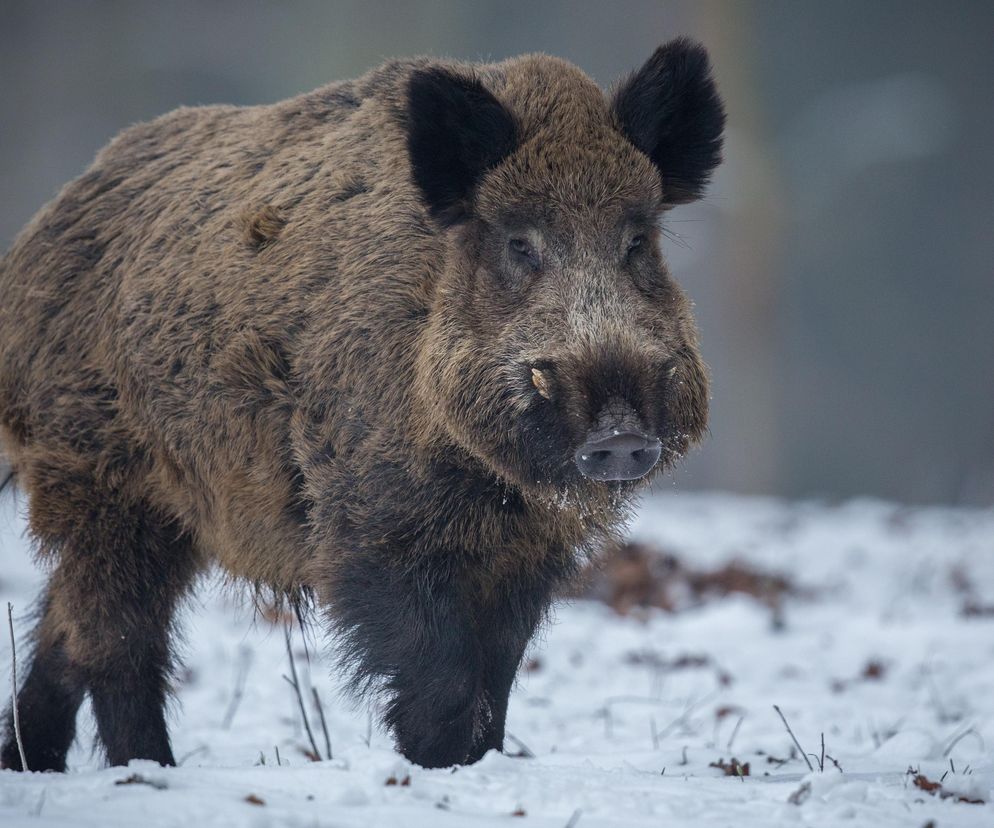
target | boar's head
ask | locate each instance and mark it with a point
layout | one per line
(559, 353)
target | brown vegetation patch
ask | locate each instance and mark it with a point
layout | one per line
(923, 783)
(733, 767)
(635, 575)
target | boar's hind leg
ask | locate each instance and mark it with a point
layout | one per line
(47, 703)
(410, 626)
(121, 570)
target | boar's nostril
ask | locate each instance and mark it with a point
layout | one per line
(622, 455)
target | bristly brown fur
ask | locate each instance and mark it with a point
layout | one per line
(345, 346)
(263, 226)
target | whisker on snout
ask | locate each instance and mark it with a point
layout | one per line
(674, 237)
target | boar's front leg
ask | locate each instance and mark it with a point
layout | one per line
(506, 622)
(408, 624)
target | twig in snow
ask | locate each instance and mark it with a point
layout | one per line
(735, 732)
(573, 820)
(279, 762)
(820, 759)
(191, 753)
(324, 723)
(792, 736)
(13, 685)
(295, 684)
(244, 661)
(956, 740)
(314, 690)
(682, 718)
(524, 750)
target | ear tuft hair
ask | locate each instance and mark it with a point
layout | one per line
(457, 130)
(670, 109)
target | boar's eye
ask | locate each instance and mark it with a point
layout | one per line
(635, 243)
(523, 250)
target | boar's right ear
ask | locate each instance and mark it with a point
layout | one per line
(457, 130)
(670, 109)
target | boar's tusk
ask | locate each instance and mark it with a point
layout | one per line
(538, 380)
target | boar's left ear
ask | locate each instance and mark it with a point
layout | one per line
(457, 130)
(670, 109)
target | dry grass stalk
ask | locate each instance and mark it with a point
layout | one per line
(295, 684)
(13, 686)
(324, 723)
(244, 661)
(792, 736)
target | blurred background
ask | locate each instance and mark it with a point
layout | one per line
(842, 264)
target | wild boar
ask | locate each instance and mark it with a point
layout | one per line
(403, 350)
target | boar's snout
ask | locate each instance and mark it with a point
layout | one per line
(627, 455)
(617, 449)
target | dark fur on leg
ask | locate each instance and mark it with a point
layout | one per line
(410, 627)
(506, 627)
(122, 569)
(47, 705)
(443, 651)
(130, 714)
(130, 687)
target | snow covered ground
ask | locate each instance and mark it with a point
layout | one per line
(891, 657)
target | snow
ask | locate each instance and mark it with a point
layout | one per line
(620, 736)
